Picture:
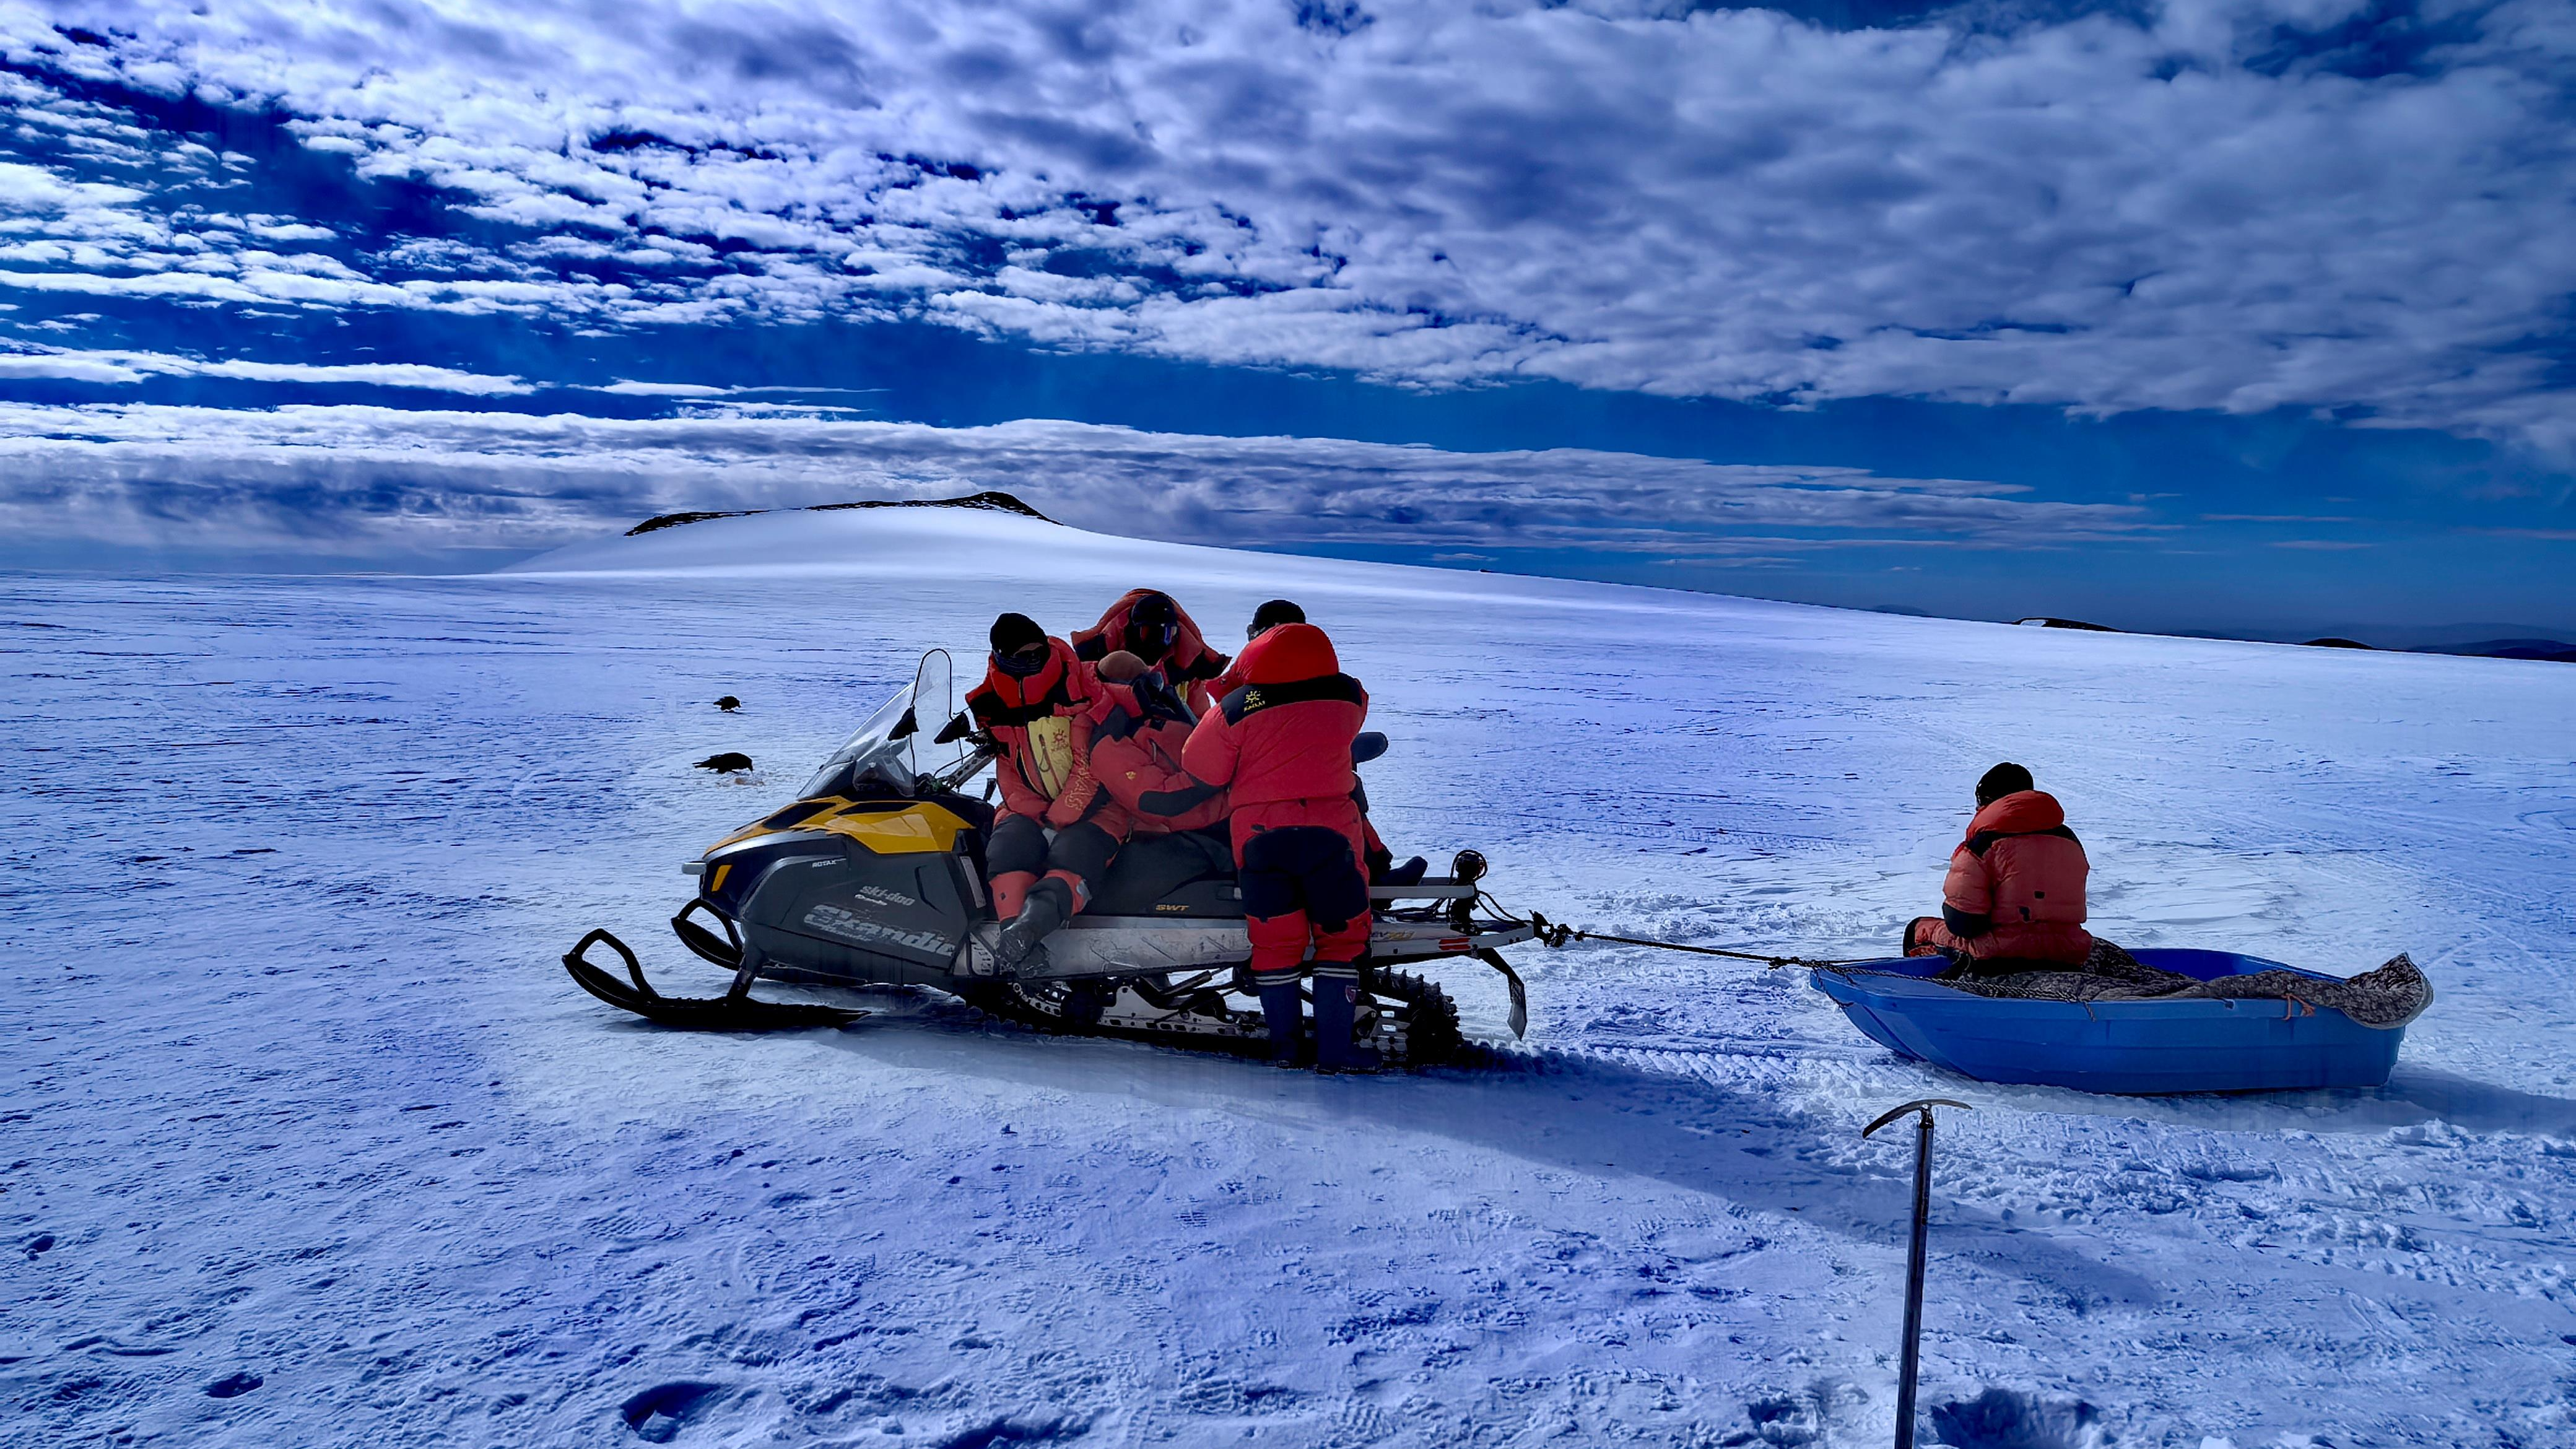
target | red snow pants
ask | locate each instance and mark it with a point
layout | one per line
(1298, 863)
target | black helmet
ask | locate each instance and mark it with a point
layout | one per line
(2004, 779)
(1153, 626)
(1271, 615)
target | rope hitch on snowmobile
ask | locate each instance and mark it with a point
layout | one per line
(1555, 933)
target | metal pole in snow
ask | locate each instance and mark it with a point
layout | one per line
(1912, 1351)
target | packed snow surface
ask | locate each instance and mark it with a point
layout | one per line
(310, 1141)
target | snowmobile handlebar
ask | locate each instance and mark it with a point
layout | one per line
(983, 753)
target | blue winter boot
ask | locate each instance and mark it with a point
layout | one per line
(1337, 995)
(1282, 1012)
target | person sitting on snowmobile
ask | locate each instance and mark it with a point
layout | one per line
(1150, 625)
(1282, 744)
(1136, 740)
(1037, 702)
(2014, 899)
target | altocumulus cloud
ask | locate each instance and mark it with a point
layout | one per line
(2344, 205)
(351, 482)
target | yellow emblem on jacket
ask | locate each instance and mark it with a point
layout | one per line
(1051, 759)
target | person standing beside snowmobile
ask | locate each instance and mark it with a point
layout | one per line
(1037, 702)
(1282, 746)
(1152, 626)
(2014, 898)
(1136, 755)
(1137, 736)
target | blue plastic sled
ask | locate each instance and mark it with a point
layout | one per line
(2137, 1048)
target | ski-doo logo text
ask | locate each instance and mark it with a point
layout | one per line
(834, 921)
(886, 896)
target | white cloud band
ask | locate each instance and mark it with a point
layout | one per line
(350, 481)
(2217, 208)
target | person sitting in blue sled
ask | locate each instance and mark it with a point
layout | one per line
(2014, 898)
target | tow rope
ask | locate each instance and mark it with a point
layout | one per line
(1554, 933)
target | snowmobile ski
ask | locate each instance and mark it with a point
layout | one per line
(736, 1010)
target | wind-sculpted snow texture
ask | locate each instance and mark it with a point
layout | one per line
(310, 1142)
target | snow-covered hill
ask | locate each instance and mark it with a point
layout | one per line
(297, 1095)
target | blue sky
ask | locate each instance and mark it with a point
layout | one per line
(2222, 314)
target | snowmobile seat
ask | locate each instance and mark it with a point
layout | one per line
(1189, 873)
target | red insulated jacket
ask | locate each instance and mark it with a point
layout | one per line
(1287, 734)
(2016, 884)
(1188, 664)
(1136, 756)
(1043, 724)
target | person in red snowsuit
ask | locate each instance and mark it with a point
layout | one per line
(1382, 868)
(1136, 742)
(1281, 744)
(1136, 756)
(1037, 702)
(2014, 897)
(1150, 625)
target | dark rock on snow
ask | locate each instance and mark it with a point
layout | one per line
(992, 500)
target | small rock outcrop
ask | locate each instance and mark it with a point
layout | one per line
(991, 500)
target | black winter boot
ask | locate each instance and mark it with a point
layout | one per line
(1049, 906)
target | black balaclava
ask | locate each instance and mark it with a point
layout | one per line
(1011, 634)
(2004, 779)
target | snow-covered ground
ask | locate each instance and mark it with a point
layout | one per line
(297, 1096)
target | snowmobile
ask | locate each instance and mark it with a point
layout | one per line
(873, 876)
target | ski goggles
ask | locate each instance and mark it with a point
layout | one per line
(1023, 662)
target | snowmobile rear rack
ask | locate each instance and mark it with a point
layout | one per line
(734, 1011)
(1426, 890)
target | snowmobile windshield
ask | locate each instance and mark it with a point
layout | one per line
(881, 750)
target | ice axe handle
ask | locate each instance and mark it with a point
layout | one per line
(1912, 1359)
